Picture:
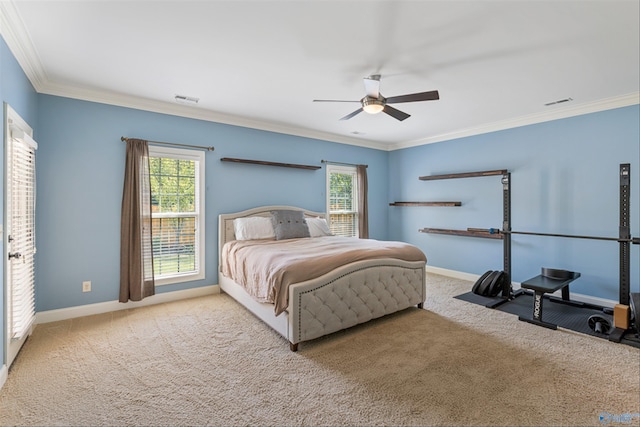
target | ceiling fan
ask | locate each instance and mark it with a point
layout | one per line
(374, 102)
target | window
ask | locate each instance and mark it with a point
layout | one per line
(177, 212)
(342, 195)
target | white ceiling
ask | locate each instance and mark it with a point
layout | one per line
(261, 63)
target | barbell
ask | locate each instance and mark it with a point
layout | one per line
(634, 240)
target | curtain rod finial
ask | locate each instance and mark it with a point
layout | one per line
(122, 138)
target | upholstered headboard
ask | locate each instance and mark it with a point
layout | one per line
(226, 231)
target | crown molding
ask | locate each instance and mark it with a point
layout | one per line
(171, 108)
(576, 110)
(17, 38)
(129, 101)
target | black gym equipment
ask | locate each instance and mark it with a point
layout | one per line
(599, 324)
(478, 287)
(483, 286)
(572, 316)
(634, 304)
(500, 282)
(491, 283)
(624, 238)
(549, 281)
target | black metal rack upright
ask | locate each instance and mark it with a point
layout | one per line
(506, 226)
(625, 233)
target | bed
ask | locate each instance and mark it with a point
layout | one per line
(347, 295)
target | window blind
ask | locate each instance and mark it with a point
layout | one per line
(22, 239)
(343, 209)
(177, 198)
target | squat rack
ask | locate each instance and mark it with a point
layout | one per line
(483, 233)
(625, 239)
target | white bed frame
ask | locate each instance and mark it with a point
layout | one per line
(345, 297)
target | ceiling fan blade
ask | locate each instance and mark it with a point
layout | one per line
(395, 113)
(372, 85)
(331, 100)
(422, 96)
(348, 116)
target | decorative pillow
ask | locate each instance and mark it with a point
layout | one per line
(289, 224)
(253, 228)
(318, 227)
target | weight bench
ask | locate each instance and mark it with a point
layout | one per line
(548, 282)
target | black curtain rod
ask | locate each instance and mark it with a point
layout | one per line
(173, 144)
(339, 163)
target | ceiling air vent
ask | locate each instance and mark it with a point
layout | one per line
(560, 101)
(183, 99)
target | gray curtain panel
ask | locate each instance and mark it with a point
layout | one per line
(363, 204)
(136, 250)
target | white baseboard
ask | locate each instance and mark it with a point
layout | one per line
(452, 273)
(4, 374)
(602, 302)
(105, 307)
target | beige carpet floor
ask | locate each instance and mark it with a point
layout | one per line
(207, 361)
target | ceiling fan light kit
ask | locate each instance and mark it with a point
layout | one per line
(374, 102)
(372, 105)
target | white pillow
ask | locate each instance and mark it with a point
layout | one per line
(318, 227)
(253, 228)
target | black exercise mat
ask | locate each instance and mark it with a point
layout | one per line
(564, 315)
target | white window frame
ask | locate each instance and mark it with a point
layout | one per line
(199, 157)
(351, 170)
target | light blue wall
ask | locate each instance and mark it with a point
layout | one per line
(80, 176)
(17, 91)
(565, 179)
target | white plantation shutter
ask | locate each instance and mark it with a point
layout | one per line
(22, 238)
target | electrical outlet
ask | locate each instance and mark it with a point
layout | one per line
(86, 286)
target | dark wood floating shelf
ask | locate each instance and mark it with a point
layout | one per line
(469, 233)
(463, 175)
(425, 204)
(261, 162)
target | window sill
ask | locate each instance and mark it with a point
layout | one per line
(172, 280)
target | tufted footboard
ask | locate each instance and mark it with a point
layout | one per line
(353, 294)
